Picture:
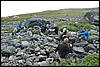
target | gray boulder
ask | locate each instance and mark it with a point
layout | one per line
(25, 43)
(37, 49)
(43, 63)
(72, 39)
(36, 36)
(38, 53)
(29, 59)
(50, 39)
(28, 63)
(81, 44)
(42, 52)
(36, 64)
(21, 61)
(49, 60)
(4, 60)
(79, 49)
(92, 51)
(3, 48)
(25, 56)
(12, 58)
(89, 47)
(93, 17)
(15, 40)
(11, 49)
(42, 58)
(20, 53)
(42, 46)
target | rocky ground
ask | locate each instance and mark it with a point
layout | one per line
(36, 50)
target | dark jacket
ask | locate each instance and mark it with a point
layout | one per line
(56, 29)
(63, 49)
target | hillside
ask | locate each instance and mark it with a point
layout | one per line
(36, 47)
(52, 14)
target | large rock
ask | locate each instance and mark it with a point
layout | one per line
(43, 52)
(36, 59)
(52, 49)
(30, 22)
(17, 45)
(41, 58)
(89, 47)
(18, 58)
(11, 43)
(81, 44)
(25, 56)
(50, 39)
(10, 49)
(25, 43)
(96, 41)
(20, 53)
(15, 40)
(79, 49)
(4, 60)
(36, 64)
(38, 53)
(92, 51)
(43, 63)
(3, 48)
(56, 57)
(49, 60)
(55, 45)
(42, 46)
(72, 39)
(28, 63)
(93, 17)
(29, 59)
(50, 44)
(41, 42)
(36, 36)
(5, 64)
(12, 58)
(30, 50)
(4, 40)
(21, 61)
(37, 49)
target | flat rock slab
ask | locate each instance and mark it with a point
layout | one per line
(79, 49)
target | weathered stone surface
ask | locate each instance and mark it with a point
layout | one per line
(25, 43)
(38, 50)
(28, 63)
(89, 47)
(43, 52)
(43, 63)
(12, 58)
(10, 49)
(79, 49)
(81, 44)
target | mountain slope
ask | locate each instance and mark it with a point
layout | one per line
(53, 14)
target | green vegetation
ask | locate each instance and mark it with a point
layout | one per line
(56, 14)
(91, 38)
(94, 33)
(72, 26)
(89, 60)
(51, 14)
(8, 30)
